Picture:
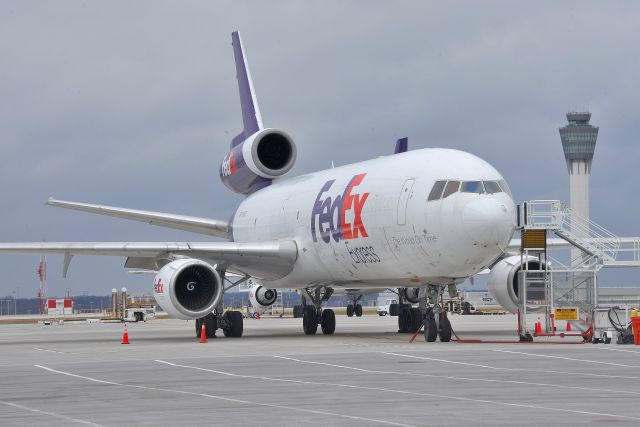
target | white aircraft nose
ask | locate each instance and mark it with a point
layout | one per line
(488, 221)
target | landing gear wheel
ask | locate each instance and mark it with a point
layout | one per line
(445, 328)
(404, 320)
(357, 310)
(236, 324)
(310, 320)
(430, 328)
(297, 311)
(328, 322)
(350, 310)
(198, 327)
(210, 325)
(416, 319)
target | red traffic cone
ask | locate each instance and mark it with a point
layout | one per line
(125, 335)
(568, 326)
(538, 326)
(203, 334)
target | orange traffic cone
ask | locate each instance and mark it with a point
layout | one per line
(568, 326)
(203, 334)
(125, 335)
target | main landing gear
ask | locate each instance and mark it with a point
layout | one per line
(230, 322)
(313, 314)
(355, 308)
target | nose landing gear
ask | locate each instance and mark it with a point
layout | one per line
(436, 322)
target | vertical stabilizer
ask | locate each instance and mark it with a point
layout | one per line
(251, 118)
(402, 145)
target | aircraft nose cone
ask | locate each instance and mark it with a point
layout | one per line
(488, 221)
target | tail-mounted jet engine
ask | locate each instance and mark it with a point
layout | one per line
(258, 160)
(260, 296)
(410, 294)
(504, 282)
(187, 288)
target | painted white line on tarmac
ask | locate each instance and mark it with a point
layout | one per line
(528, 371)
(49, 351)
(547, 356)
(450, 377)
(405, 392)
(618, 349)
(288, 381)
(227, 399)
(51, 414)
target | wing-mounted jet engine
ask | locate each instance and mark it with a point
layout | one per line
(261, 297)
(503, 279)
(255, 162)
(187, 288)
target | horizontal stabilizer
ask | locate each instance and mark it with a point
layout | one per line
(211, 227)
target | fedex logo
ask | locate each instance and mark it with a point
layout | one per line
(158, 287)
(329, 216)
(229, 165)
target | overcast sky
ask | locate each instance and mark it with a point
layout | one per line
(133, 104)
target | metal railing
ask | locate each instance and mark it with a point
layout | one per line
(592, 238)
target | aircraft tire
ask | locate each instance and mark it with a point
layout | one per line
(430, 329)
(236, 327)
(198, 327)
(210, 325)
(350, 310)
(404, 320)
(328, 322)
(357, 310)
(416, 319)
(445, 329)
(310, 320)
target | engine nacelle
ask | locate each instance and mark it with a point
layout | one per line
(258, 160)
(503, 280)
(261, 297)
(187, 288)
(410, 294)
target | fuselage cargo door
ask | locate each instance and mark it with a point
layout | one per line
(403, 200)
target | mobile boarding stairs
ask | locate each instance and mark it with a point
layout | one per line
(557, 291)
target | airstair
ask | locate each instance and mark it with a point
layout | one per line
(604, 248)
(553, 290)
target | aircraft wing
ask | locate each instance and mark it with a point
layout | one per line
(264, 260)
(211, 227)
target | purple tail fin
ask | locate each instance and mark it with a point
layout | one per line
(251, 118)
(401, 145)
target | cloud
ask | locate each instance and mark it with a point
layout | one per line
(133, 104)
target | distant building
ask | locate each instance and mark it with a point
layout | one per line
(579, 143)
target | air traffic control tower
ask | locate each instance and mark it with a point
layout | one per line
(579, 143)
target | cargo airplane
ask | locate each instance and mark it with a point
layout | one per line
(420, 221)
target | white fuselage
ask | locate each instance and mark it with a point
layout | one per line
(373, 225)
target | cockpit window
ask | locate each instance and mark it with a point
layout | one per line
(472, 187)
(452, 187)
(492, 187)
(443, 189)
(505, 187)
(436, 191)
